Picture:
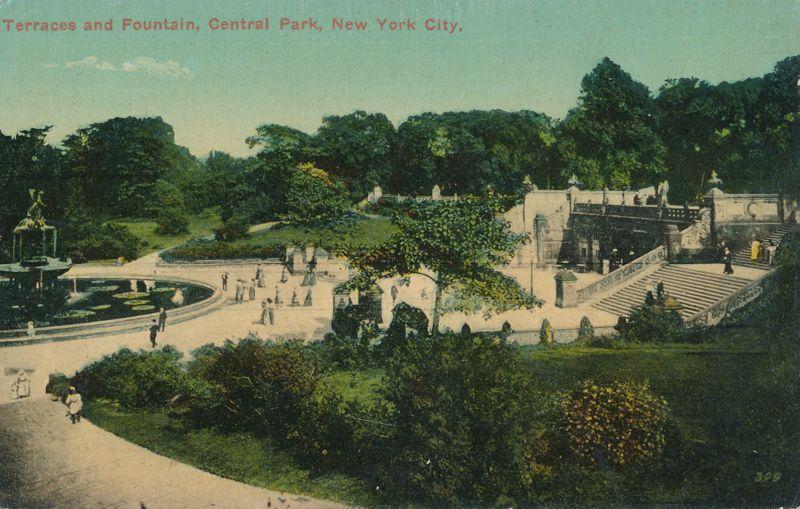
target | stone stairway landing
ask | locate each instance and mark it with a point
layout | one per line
(742, 256)
(695, 289)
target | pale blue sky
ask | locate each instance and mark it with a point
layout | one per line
(215, 88)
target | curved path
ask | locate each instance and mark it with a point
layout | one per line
(45, 461)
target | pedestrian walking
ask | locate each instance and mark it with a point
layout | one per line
(284, 277)
(394, 292)
(307, 301)
(21, 388)
(755, 250)
(153, 333)
(295, 302)
(771, 249)
(728, 261)
(224, 281)
(74, 405)
(264, 313)
(262, 278)
(252, 292)
(278, 301)
(31, 330)
(271, 312)
(239, 291)
(162, 320)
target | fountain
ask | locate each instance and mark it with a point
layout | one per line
(30, 290)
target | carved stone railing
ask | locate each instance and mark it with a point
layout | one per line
(652, 212)
(716, 312)
(622, 274)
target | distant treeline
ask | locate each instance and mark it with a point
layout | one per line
(619, 135)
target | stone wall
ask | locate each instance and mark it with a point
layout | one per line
(739, 218)
(699, 236)
(735, 301)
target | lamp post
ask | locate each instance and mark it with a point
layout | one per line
(531, 280)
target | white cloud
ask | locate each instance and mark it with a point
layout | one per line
(91, 62)
(147, 65)
(152, 66)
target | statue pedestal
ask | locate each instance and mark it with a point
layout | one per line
(566, 289)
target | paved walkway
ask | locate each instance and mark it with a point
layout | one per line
(45, 461)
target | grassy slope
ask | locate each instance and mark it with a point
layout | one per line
(370, 230)
(199, 226)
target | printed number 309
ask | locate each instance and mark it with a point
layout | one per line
(768, 477)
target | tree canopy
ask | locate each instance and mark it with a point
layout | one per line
(456, 244)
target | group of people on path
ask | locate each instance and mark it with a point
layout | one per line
(270, 305)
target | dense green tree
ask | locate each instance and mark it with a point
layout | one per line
(359, 148)
(609, 138)
(115, 164)
(313, 196)
(260, 193)
(466, 152)
(214, 183)
(704, 128)
(456, 244)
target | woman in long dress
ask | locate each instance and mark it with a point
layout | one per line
(252, 291)
(755, 250)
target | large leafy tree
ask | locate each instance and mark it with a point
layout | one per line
(609, 139)
(116, 164)
(468, 152)
(776, 149)
(313, 196)
(704, 127)
(261, 192)
(457, 244)
(358, 148)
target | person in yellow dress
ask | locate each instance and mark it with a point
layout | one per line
(755, 250)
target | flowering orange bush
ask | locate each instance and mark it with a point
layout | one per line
(621, 423)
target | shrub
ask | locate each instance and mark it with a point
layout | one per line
(57, 385)
(617, 424)
(605, 341)
(406, 321)
(234, 228)
(347, 321)
(651, 324)
(254, 384)
(462, 416)
(586, 330)
(546, 333)
(215, 250)
(172, 221)
(135, 379)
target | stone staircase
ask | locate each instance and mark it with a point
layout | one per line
(742, 256)
(696, 290)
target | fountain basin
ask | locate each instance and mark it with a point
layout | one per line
(199, 297)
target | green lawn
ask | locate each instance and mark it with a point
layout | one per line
(366, 230)
(239, 456)
(199, 226)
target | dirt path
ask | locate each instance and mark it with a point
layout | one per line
(45, 461)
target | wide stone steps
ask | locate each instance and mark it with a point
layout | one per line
(696, 290)
(742, 256)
